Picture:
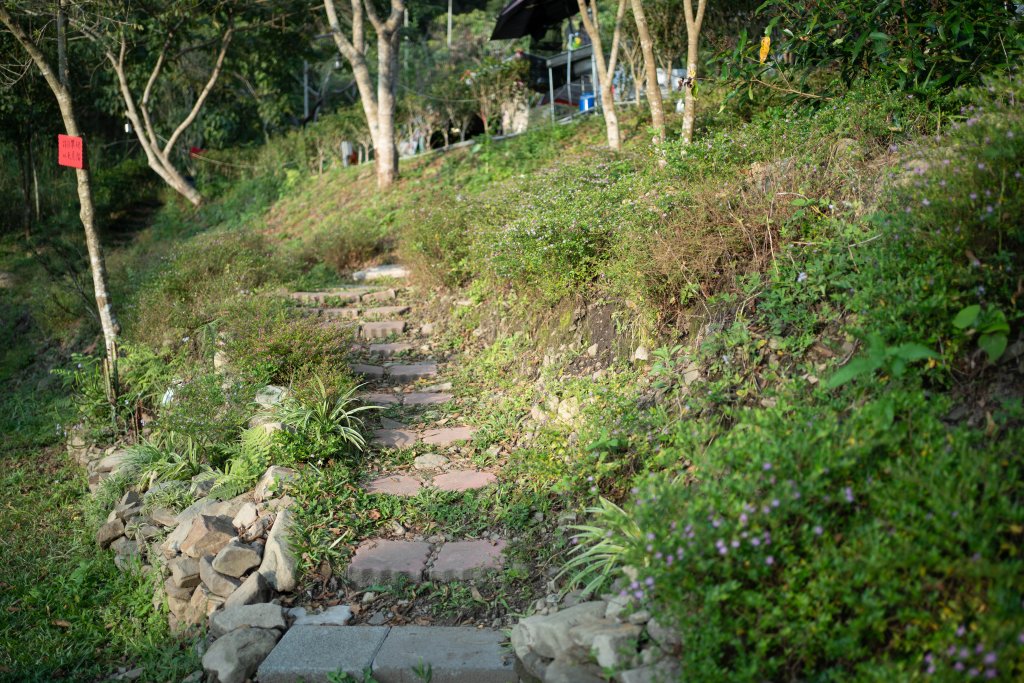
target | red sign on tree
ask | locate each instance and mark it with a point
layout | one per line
(70, 151)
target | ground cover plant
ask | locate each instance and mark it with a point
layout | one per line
(811, 471)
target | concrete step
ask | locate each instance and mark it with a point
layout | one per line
(392, 349)
(381, 560)
(455, 654)
(409, 485)
(414, 398)
(385, 311)
(381, 330)
(381, 272)
(408, 372)
(402, 437)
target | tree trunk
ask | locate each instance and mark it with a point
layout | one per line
(387, 85)
(87, 213)
(35, 179)
(605, 70)
(650, 67)
(693, 24)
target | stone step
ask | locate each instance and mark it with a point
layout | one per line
(399, 437)
(381, 272)
(392, 349)
(408, 485)
(414, 398)
(385, 311)
(378, 296)
(341, 294)
(380, 560)
(332, 313)
(455, 654)
(381, 330)
(397, 373)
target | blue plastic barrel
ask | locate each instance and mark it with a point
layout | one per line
(587, 101)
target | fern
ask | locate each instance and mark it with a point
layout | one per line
(167, 457)
(247, 461)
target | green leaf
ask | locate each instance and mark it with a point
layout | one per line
(878, 35)
(910, 352)
(967, 317)
(993, 344)
(855, 368)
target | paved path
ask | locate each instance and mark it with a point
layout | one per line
(395, 358)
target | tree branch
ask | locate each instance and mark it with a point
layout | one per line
(203, 95)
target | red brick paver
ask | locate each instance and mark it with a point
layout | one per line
(463, 560)
(463, 480)
(379, 560)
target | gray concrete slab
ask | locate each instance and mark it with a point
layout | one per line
(311, 653)
(455, 655)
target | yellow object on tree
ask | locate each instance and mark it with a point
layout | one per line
(766, 44)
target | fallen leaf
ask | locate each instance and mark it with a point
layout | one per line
(62, 623)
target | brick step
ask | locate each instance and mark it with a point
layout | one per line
(405, 438)
(408, 372)
(456, 654)
(409, 485)
(380, 560)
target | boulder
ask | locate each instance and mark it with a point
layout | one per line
(163, 517)
(613, 645)
(667, 638)
(236, 656)
(548, 635)
(266, 615)
(270, 483)
(246, 515)
(177, 592)
(112, 463)
(177, 606)
(109, 532)
(279, 565)
(567, 671)
(253, 590)
(198, 606)
(236, 558)
(270, 395)
(208, 535)
(217, 583)
(184, 572)
(126, 551)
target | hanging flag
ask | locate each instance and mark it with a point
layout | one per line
(766, 44)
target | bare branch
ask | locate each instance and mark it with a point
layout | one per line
(203, 95)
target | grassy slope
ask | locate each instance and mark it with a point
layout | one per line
(769, 253)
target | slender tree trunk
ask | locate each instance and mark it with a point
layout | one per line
(379, 107)
(387, 83)
(87, 213)
(35, 179)
(651, 71)
(605, 70)
(693, 24)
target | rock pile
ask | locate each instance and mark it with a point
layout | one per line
(581, 642)
(98, 463)
(214, 553)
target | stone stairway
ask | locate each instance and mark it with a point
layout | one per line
(395, 358)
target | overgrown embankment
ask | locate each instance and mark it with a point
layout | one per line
(791, 356)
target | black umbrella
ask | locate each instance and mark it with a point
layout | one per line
(532, 17)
